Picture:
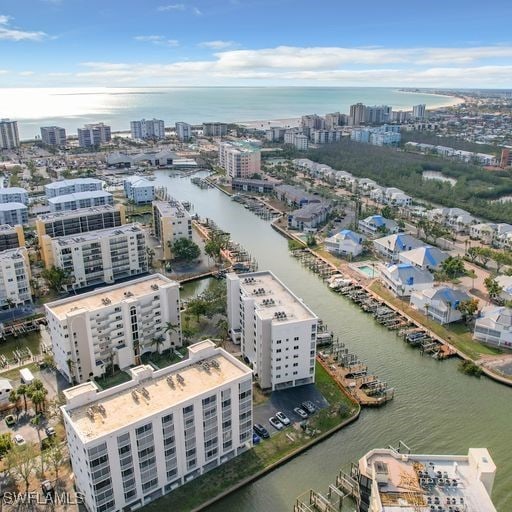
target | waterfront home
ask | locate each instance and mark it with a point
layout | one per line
(139, 190)
(402, 279)
(425, 257)
(494, 326)
(439, 303)
(377, 224)
(391, 246)
(309, 217)
(345, 243)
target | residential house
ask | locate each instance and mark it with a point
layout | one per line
(403, 279)
(391, 246)
(439, 303)
(506, 284)
(494, 326)
(485, 232)
(345, 243)
(425, 257)
(377, 224)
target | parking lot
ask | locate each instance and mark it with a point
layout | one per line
(285, 401)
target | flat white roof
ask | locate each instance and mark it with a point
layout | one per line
(115, 294)
(79, 195)
(273, 297)
(151, 392)
(174, 209)
(74, 181)
(89, 236)
(91, 210)
(12, 206)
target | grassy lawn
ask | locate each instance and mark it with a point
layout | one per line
(164, 359)
(109, 381)
(262, 455)
(458, 334)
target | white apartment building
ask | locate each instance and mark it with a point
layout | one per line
(299, 140)
(9, 138)
(135, 442)
(115, 324)
(147, 129)
(393, 481)
(13, 195)
(276, 330)
(72, 186)
(419, 111)
(80, 200)
(94, 135)
(102, 256)
(14, 278)
(171, 222)
(139, 190)
(239, 159)
(13, 213)
(53, 136)
(183, 131)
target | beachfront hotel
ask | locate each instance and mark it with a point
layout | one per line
(239, 159)
(135, 442)
(101, 256)
(276, 330)
(170, 221)
(113, 325)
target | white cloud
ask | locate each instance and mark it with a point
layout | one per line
(171, 7)
(9, 33)
(158, 40)
(217, 45)
(26, 73)
(196, 11)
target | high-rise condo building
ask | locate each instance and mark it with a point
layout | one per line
(135, 442)
(97, 257)
(276, 330)
(419, 111)
(9, 138)
(171, 222)
(357, 114)
(113, 325)
(93, 135)
(239, 159)
(148, 129)
(14, 278)
(183, 131)
(53, 136)
(215, 129)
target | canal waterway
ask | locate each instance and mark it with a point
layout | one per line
(436, 408)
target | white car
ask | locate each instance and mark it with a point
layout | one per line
(281, 416)
(19, 439)
(300, 412)
(276, 423)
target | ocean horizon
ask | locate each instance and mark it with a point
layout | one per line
(71, 107)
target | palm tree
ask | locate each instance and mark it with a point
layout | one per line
(23, 391)
(38, 398)
(10, 304)
(157, 342)
(14, 398)
(37, 423)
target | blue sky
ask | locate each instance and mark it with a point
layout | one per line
(256, 42)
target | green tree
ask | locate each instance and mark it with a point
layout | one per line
(453, 267)
(21, 462)
(5, 444)
(22, 392)
(55, 457)
(14, 398)
(37, 423)
(157, 342)
(185, 249)
(493, 288)
(55, 277)
(484, 254)
(467, 309)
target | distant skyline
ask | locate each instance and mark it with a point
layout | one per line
(454, 43)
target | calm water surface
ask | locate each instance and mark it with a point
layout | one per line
(436, 409)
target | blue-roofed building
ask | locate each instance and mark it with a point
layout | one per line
(13, 213)
(426, 257)
(72, 186)
(403, 279)
(139, 190)
(391, 246)
(78, 200)
(377, 225)
(345, 243)
(440, 303)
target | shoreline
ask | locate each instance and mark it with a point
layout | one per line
(294, 121)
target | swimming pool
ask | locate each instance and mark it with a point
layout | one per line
(368, 271)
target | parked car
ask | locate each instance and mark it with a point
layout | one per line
(47, 489)
(299, 411)
(19, 439)
(10, 420)
(276, 423)
(308, 406)
(256, 439)
(261, 431)
(50, 431)
(281, 416)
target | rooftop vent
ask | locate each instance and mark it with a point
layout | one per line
(106, 301)
(154, 286)
(180, 379)
(135, 396)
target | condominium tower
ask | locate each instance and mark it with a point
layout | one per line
(92, 135)
(135, 442)
(14, 278)
(171, 222)
(239, 159)
(147, 129)
(183, 131)
(53, 136)
(9, 138)
(113, 325)
(276, 330)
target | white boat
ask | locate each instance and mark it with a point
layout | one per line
(340, 283)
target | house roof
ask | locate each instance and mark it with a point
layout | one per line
(399, 242)
(408, 275)
(495, 315)
(426, 256)
(446, 295)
